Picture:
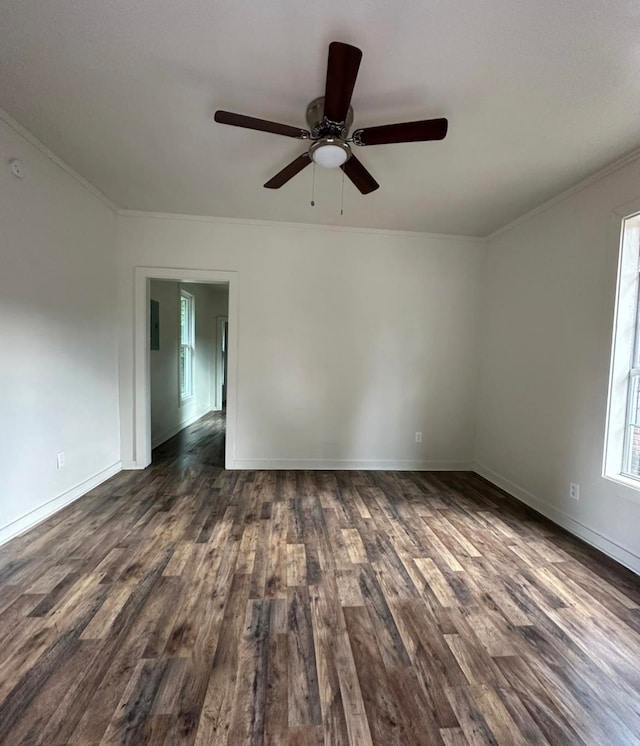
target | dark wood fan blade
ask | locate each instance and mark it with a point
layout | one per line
(342, 71)
(427, 129)
(288, 172)
(262, 125)
(359, 175)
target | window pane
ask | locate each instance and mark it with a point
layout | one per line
(632, 460)
(182, 365)
(184, 321)
(636, 345)
(634, 400)
(634, 455)
(188, 377)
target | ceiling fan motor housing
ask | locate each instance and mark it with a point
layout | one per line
(321, 126)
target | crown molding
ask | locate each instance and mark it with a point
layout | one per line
(627, 159)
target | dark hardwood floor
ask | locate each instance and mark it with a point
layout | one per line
(188, 604)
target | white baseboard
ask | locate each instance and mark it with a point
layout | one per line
(39, 514)
(595, 539)
(347, 464)
(164, 436)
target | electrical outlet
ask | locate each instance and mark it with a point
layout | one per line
(418, 437)
(574, 491)
(60, 459)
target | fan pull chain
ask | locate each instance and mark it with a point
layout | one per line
(342, 196)
(313, 186)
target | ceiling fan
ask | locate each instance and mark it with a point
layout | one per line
(329, 118)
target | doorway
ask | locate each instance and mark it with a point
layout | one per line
(219, 322)
(186, 368)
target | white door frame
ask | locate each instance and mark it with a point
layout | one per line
(142, 387)
(220, 320)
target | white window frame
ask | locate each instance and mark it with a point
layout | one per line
(187, 347)
(625, 358)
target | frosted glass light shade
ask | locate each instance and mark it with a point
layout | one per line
(329, 156)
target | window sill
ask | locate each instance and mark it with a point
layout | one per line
(629, 482)
(186, 399)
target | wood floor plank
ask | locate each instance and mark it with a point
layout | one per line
(215, 717)
(355, 547)
(434, 664)
(353, 703)
(296, 565)
(248, 716)
(132, 714)
(276, 708)
(325, 616)
(24, 605)
(304, 695)
(389, 640)
(185, 604)
(381, 706)
(31, 727)
(453, 737)
(474, 726)
(419, 723)
(497, 716)
(539, 702)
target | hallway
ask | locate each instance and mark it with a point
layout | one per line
(202, 443)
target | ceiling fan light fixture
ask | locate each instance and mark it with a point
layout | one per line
(329, 153)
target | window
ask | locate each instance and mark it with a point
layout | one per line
(622, 453)
(187, 344)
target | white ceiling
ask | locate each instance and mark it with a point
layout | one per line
(538, 93)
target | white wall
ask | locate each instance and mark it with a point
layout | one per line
(58, 376)
(546, 341)
(168, 414)
(349, 341)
